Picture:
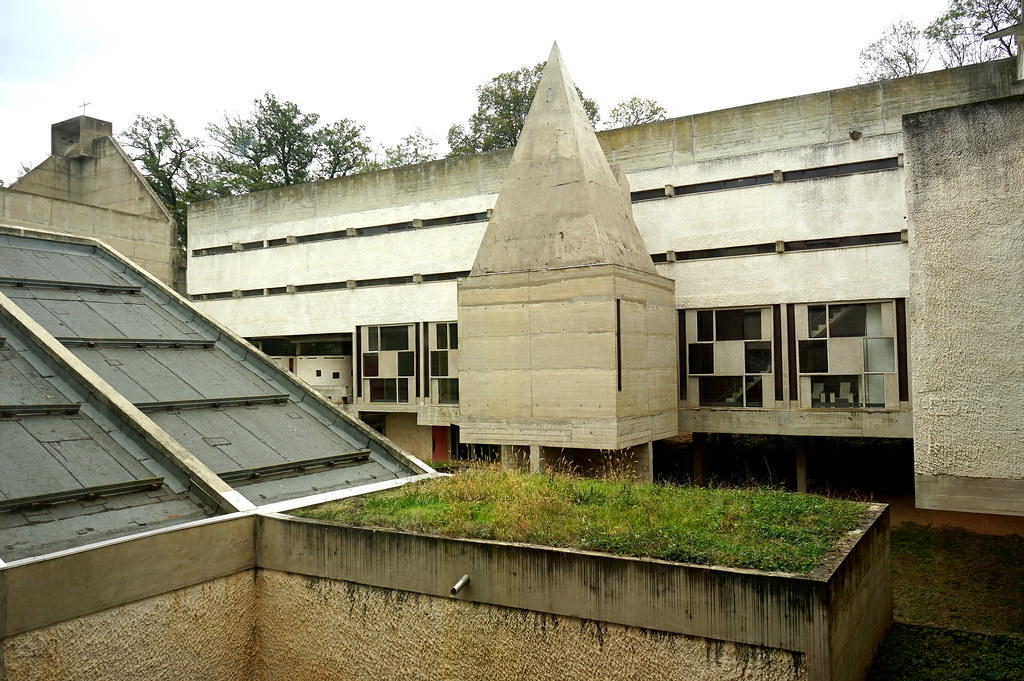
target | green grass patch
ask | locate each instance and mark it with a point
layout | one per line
(757, 528)
(919, 653)
(955, 578)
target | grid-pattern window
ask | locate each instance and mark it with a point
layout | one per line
(849, 351)
(388, 362)
(444, 362)
(729, 355)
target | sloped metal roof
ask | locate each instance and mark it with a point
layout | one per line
(218, 399)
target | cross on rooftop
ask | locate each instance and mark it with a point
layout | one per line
(83, 105)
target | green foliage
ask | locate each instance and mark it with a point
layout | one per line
(636, 111)
(342, 149)
(958, 35)
(755, 528)
(502, 105)
(412, 149)
(900, 51)
(172, 164)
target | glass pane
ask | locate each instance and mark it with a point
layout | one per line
(873, 324)
(847, 320)
(874, 391)
(403, 389)
(371, 338)
(721, 391)
(835, 392)
(383, 389)
(441, 339)
(757, 357)
(879, 354)
(407, 363)
(813, 356)
(438, 362)
(453, 336)
(729, 324)
(448, 390)
(817, 326)
(751, 324)
(755, 391)
(705, 325)
(371, 364)
(702, 358)
(394, 338)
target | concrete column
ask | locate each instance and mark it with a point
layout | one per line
(644, 462)
(801, 464)
(535, 459)
(700, 459)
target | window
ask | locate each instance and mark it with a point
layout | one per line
(448, 390)
(389, 390)
(407, 363)
(394, 338)
(737, 324)
(833, 330)
(447, 336)
(318, 373)
(335, 374)
(730, 340)
(702, 358)
(721, 391)
(371, 364)
(438, 363)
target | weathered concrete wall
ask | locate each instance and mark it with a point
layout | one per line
(833, 617)
(966, 209)
(794, 133)
(316, 628)
(401, 429)
(201, 632)
(147, 241)
(542, 354)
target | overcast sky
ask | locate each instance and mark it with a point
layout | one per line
(395, 65)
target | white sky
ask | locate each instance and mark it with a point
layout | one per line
(397, 65)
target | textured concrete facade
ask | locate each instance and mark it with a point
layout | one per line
(201, 632)
(965, 195)
(577, 357)
(428, 637)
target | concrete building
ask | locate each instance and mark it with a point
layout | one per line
(807, 238)
(88, 186)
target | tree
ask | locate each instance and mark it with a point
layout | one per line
(502, 105)
(635, 111)
(899, 52)
(278, 145)
(173, 165)
(342, 150)
(414, 148)
(274, 147)
(958, 35)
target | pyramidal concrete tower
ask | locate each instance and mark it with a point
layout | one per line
(568, 333)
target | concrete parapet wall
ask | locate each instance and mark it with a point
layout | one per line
(270, 596)
(834, 617)
(379, 633)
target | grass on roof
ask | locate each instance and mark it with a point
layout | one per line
(758, 528)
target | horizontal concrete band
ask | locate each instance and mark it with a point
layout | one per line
(695, 600)
(971, 495)
(825, 422)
